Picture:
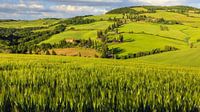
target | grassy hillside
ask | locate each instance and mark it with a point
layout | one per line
(188, 57)
(172, 16)
(25, 24)
(105, 16)
(102, 25)
(154, 29)
(144, 42)
(84, 31)
(140, 33)
(71, 35)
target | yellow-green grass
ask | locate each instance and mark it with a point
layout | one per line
(194, 15)
(172, 16)
(143, 62)
(144, 42)
(25, 24)
(84, 31)
(151, 28)
(193, 33)
(72, 35)
(105, 16)
(195, 24)
(101, 25)
(187, 57)
(140, 9)
(46, 29)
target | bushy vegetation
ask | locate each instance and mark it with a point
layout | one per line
(22, 40)
(124, 10)
(131, 10)
(177, 9)
(78, 20)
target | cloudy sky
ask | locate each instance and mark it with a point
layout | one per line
(34, 9)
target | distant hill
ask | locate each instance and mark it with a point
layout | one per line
(133, 9)
(122, 33)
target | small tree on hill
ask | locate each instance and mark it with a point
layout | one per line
(104, 51)
(53, 52)
(48, 53)
(121, 38)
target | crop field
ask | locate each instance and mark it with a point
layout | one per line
(25, 24)
(54, 83)
(81, 52)
(144, 42)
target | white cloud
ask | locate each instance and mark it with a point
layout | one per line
(160, 2)
(72, 8)
(36, 6)
(99, 0)
(21, 6)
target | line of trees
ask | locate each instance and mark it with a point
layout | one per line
(102, 35)
(78, 20)
(130, 10)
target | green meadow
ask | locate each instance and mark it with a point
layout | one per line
(85, 31)
(72, 35)
(187, 57)
(144, 42)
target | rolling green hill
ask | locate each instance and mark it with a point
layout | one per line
(144, 42)
(84, 31)
(187, 57)
(142, 28)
